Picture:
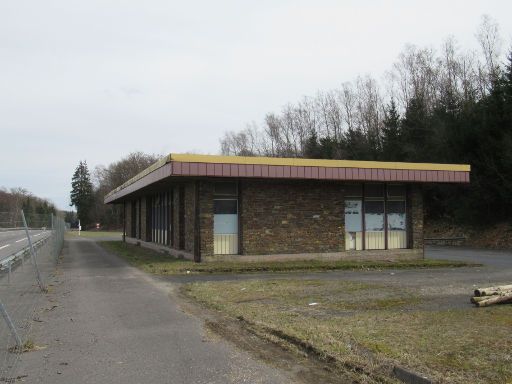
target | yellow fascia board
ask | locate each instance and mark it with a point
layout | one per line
(187, 158)
(217, 159)
(164, 160)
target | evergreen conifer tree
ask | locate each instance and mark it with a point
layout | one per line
(312, 149)
(82, 192)
(392, 146)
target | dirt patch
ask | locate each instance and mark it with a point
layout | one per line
(305, 365)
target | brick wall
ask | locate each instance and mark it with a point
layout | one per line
(416, 202)
(206, 217)
(292, 217)
(276, 217)
(176, 217)
(189, 216)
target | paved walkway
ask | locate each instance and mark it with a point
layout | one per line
(107, 322)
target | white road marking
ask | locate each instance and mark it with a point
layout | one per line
(39, 234)
(4, 246)
(20, 240)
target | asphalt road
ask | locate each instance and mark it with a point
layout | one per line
(15, 240)
(107, 322)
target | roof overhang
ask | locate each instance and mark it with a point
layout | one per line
(182, 165)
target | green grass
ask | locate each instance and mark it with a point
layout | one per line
(95, 234)
(163, 264)
(371, 327)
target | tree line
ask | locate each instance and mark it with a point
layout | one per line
(37, 210)
(444, 106)
(88, 189)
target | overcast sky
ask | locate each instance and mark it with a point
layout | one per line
(98, 79)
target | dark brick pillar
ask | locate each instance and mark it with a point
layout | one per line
(127, 218)
(146, 214)
(143, 219)
(137, 218)
(176, 217)
(189, 216)
(180, 217)
(206, 217)
(416, 212)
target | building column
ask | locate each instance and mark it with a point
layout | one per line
(416, 217)
(206, 218)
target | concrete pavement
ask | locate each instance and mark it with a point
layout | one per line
(106, 322)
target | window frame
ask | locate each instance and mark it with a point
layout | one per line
(385, 199)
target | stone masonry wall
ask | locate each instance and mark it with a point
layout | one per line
(206, 217)
(416, 198)
(292, 217)
(277, 218)
(189, 216)
(176, 217)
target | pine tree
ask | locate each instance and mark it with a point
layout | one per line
(416, 132)
(392, 145)
(312, 149)
(82, 192)
(507, 84)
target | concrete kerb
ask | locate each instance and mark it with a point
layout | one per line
(382, 255)
(179, 254)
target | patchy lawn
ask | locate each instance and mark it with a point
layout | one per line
(161, 264)
(369, 328)
(95, 234)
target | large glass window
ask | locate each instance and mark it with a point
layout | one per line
(397, 226)
(375, 216)
(160, 221)
(374, 224)
(354, 224)
(225, 219)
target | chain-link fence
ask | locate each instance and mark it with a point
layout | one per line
(29, 248)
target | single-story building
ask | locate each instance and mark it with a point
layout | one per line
(206, 207)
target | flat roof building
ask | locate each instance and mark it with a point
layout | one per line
(207, 207)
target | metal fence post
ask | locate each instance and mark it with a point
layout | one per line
(33, 253)
(11, 326)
